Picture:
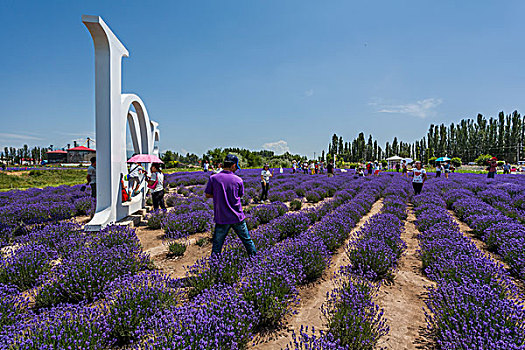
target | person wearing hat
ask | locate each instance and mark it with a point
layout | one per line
(226, 189)
(266, 174)
(492, 168)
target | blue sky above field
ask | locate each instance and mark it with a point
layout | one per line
(282, 75)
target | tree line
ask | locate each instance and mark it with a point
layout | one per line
(13, 155)
(501, 137)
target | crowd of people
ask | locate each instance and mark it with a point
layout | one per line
(154, 182)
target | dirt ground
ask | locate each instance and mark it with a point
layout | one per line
(311, 297)
(403, 300)
(153, 244)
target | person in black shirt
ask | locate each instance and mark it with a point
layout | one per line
(330, 169)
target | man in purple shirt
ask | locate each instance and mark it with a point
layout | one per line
(226, 189)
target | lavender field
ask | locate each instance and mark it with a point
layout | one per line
(343, 263)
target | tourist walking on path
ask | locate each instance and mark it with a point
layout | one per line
(405, 169)
(506, 168)
(330, 169)
(266, 174)
(92, 176)
(377, 169)
(419, 176)
(369, 167)
(447, 169)
(226, 189)
(492, 168)
(156, 184)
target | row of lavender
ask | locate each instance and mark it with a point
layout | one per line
(58, 264)
(241, 295)
(66, 270)
(284, 187)
(191, 213)
(353, 320)
(494, 213)
(18, 208)
(475, 304)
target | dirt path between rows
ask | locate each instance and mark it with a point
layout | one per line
(312, 296)
(153, 243)
(403, 301)
(467, 232)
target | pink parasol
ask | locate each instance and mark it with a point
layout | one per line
(145, 158)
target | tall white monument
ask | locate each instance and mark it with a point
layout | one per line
(113, 110)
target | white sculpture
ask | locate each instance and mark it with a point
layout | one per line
(112, 109)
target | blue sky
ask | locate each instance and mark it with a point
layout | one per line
(263, 74)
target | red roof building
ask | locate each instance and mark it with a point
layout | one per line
(80, 154)
(57, 156)
(82, 149)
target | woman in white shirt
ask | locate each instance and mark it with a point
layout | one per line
(156, 184)
(419, 176)
(265, 181)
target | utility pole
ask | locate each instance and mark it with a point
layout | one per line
(88, 141)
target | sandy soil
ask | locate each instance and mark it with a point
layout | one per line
(153, 244)
(403, 301)
(467, 232)
(311, 298)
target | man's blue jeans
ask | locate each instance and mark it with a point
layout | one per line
(221, 230)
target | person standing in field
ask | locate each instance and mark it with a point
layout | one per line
(492, 168)
(330, 169)
(438, 169)
(226, 189)
(447, 169)
(404, 168)
(218, 169)
(206, 166)
(419, 176)
(506, 168)
(377, 169)
(92, 176)
(136, 171)
(294, 167)
(266, 174)
(398, 166)
(156, 184)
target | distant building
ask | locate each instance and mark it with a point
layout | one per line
(58, 156)
(80, 154)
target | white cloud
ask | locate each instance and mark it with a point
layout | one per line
(279, 147)
(309, 92)
(421, 109)
(11, 136)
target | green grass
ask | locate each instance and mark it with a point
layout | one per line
(41, 178)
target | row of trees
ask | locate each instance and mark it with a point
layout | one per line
(249, 158)
(12, 155)
(501, 137)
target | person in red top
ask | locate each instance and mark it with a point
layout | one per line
(492, 168)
